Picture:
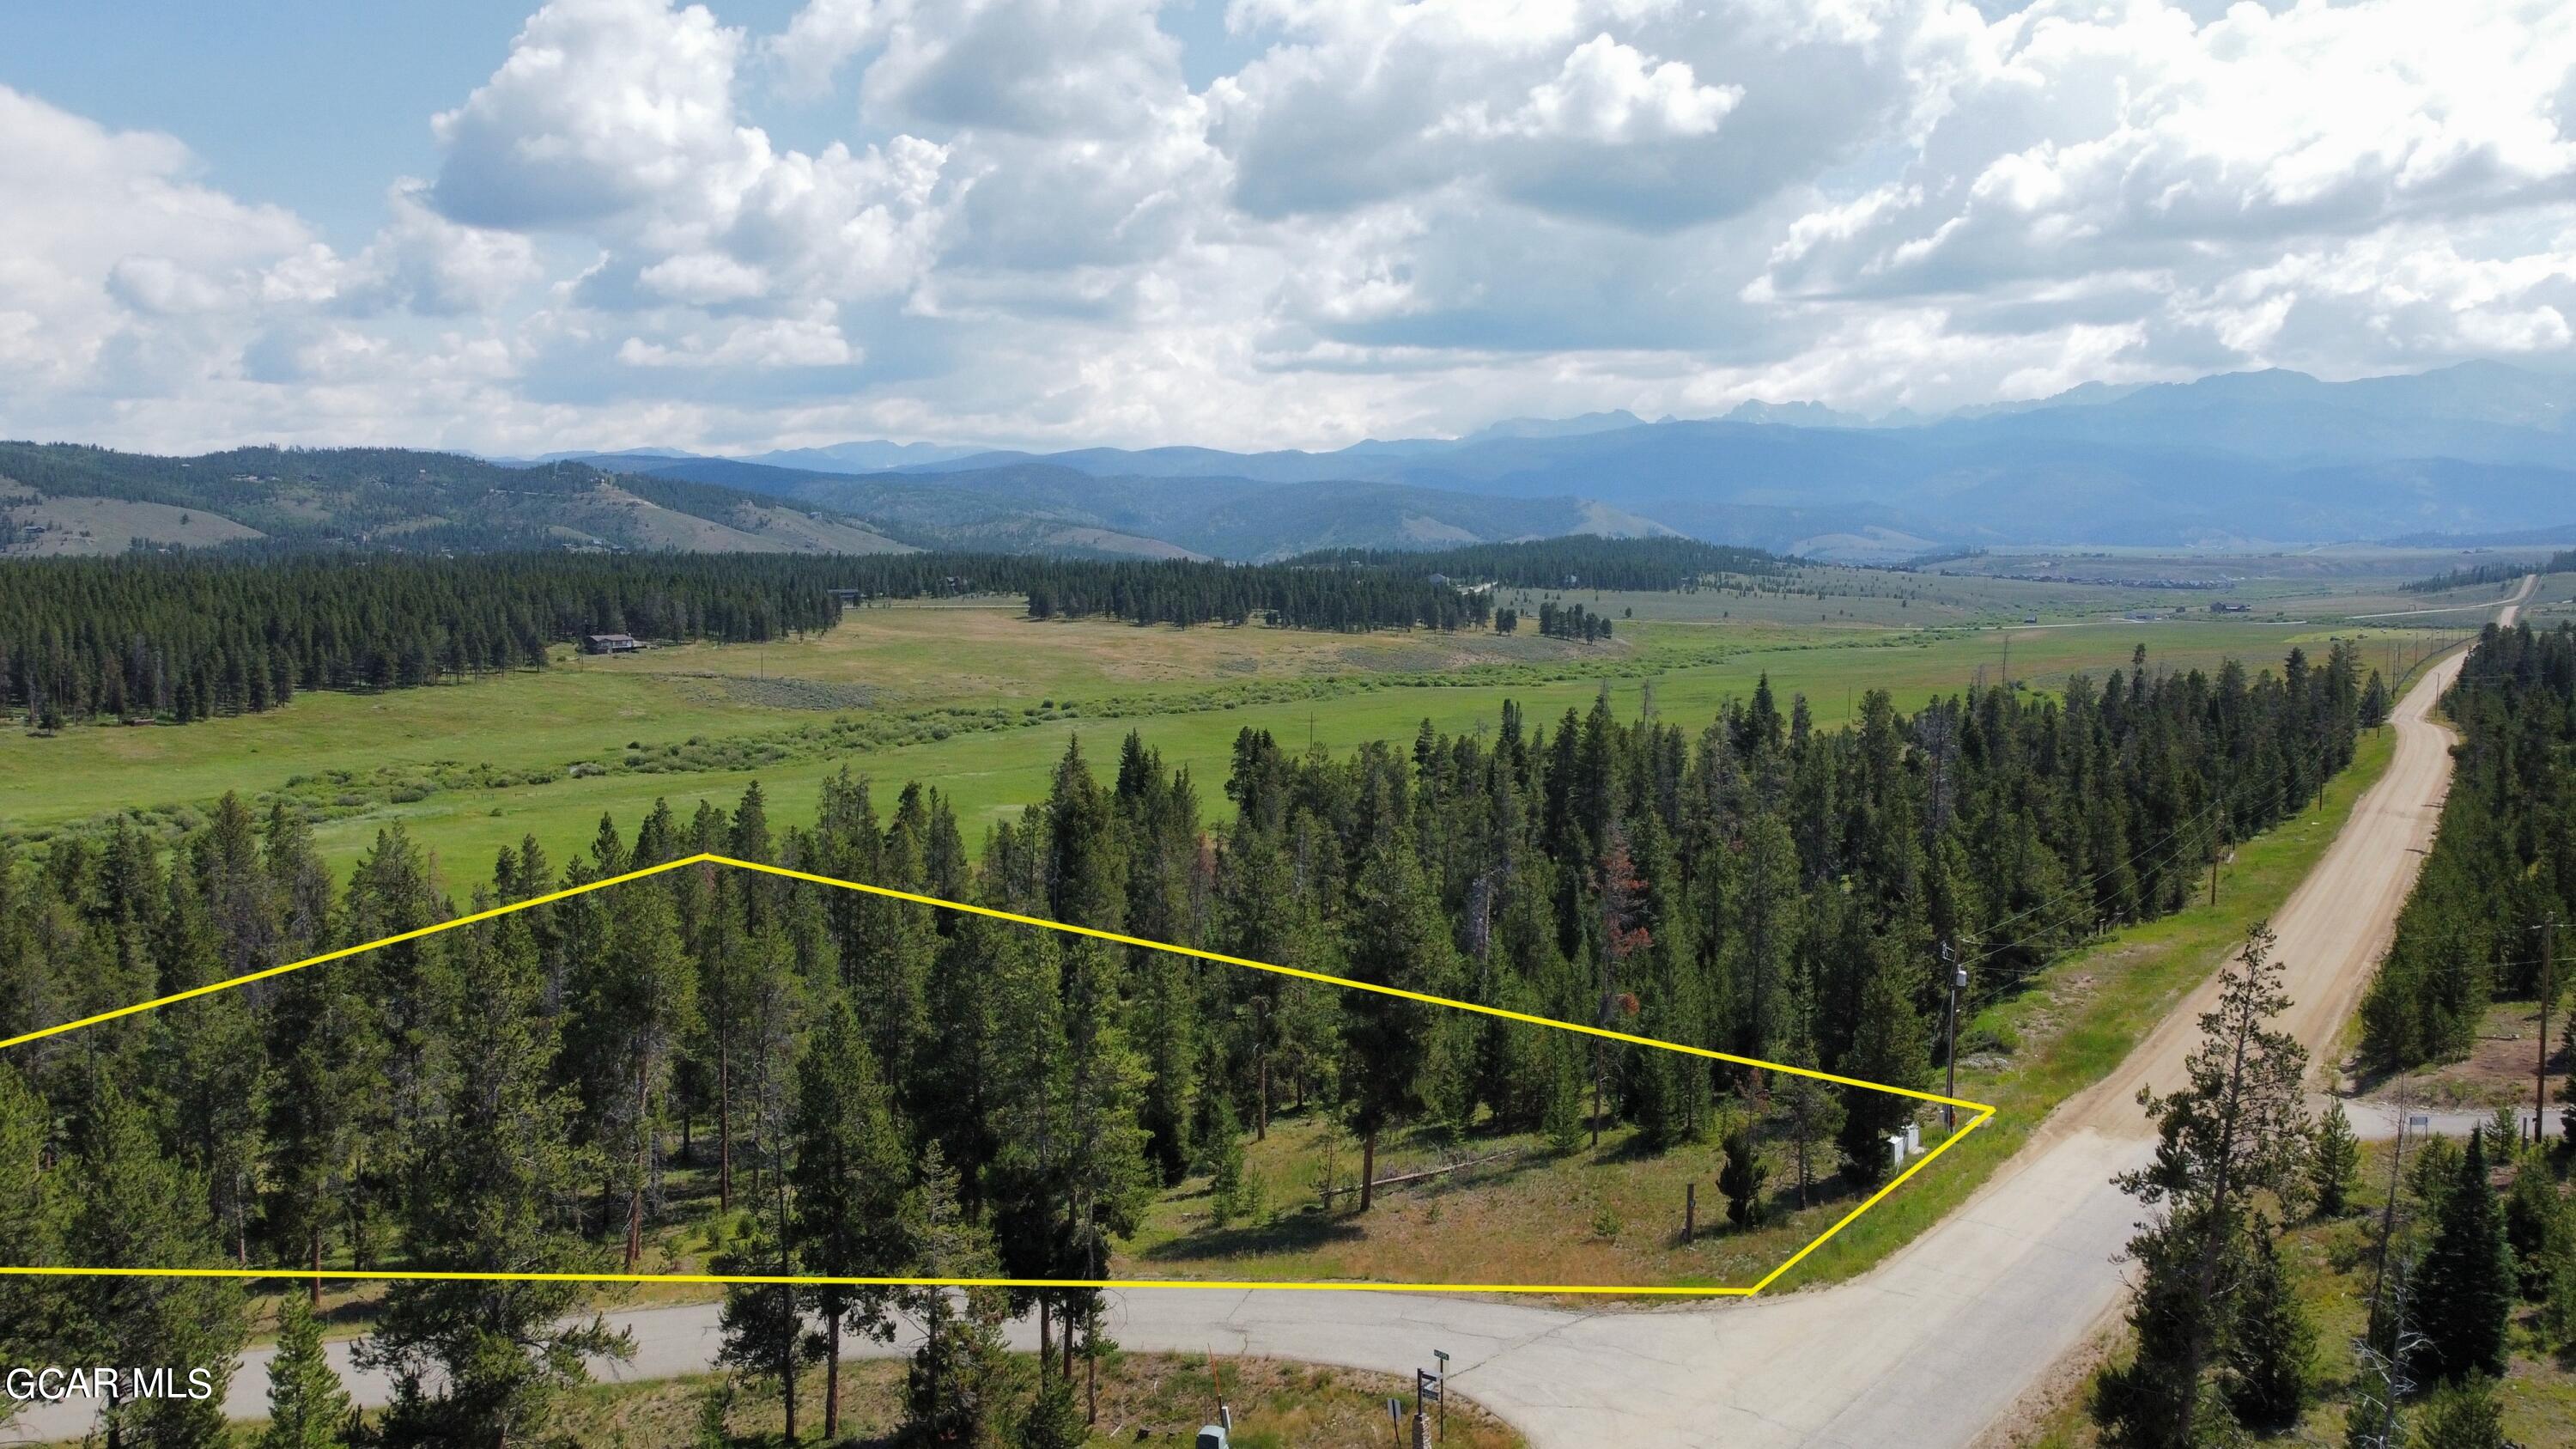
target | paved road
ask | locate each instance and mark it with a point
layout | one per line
(1928, 1349)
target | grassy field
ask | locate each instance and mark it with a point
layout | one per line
(981, 702)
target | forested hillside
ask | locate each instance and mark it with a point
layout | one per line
(1023, 507)
(396, 500)
(881, 1088)
(1580, 560)
(2505, 860)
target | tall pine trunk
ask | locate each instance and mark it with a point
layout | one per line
(932, 1311)
(1368, 1169)
(724, 1127)
(832, 1375)
(786, 1305)
(787, 1368)
(2214, 1235)
(635, 1189)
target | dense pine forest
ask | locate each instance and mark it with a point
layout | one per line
(181, 638)
(1583, 560)
(2504, 863)
(878, 1087)
(2489, 573)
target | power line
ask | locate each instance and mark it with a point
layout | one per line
(1998, 988)
(2087, 884)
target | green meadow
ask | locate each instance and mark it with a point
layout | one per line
(981, 702)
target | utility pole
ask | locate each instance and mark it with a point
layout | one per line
(2540, 1072)
(1958, 979)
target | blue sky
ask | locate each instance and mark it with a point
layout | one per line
(1265, 223)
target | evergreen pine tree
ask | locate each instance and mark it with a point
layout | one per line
(1397, 939)
(1811, 1112)
(1108, 1181)
(2539, 1223)
(2465, 1289)
(2270, 1343)
(1890, 1045)
(133, 1206)
(761, 1332)
(647, 999)
(1054, 1420)
(307, 1408)
(2374, 702)
(1165, 1031)
(30, 1231)
(854, 1215)
(1227, 1187)
(2234, 1130)
(1742, 1176)
(486, 1362)
(953, 1386)
(2334, 1162)
(1561, 1118)
(2460, 1415)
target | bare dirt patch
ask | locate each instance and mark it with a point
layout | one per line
(2497, 1072)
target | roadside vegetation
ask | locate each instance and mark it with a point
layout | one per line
(2419, 1293)
(2489, 918)
(2290, 1282)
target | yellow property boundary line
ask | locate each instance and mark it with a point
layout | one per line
(1982, 1113)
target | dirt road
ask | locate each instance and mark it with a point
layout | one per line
(1926, 1350)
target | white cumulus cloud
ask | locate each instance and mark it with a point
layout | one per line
(1052, 221)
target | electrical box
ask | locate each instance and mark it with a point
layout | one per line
(1896, 1149)
(1212, 1436)
(1914, 1138)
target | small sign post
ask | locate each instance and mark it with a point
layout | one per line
(1440, 1392)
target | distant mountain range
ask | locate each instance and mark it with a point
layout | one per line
(2473, 451)
(2237, 460)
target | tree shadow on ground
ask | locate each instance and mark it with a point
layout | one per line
(1301, 1231)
